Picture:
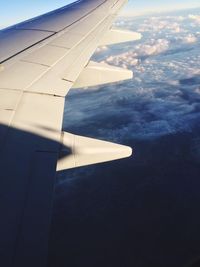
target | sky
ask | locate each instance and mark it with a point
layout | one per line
(12, 12)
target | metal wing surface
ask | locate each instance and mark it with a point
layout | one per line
(40, 60)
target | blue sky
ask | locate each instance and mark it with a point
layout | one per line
(18, 10)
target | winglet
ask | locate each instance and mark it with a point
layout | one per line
(80, 151)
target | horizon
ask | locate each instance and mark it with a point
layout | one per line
(157, 6)
(158, 12)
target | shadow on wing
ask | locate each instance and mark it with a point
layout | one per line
(27, 178)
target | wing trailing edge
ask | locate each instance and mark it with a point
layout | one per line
(80, 151)
(100, 73)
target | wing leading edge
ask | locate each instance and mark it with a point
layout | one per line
(40, 60)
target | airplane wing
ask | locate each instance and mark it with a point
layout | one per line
(40, 60)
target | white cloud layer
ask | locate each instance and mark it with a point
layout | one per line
(195, 18)
(190, 38)
(132, 58)
(164, 96)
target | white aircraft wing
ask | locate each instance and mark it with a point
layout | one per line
(40, 60)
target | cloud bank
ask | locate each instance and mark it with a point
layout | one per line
(164, 96)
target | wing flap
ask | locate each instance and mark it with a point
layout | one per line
(47, 55)
(19, 81)
(9, 99)
(40, 115)
(66, 42)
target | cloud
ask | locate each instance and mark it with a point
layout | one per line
(190, 38)
(123, 60)
(137, 109)
(162, 99)
(132, 57)
(154, 47)
(158, 24)
(195, 18)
